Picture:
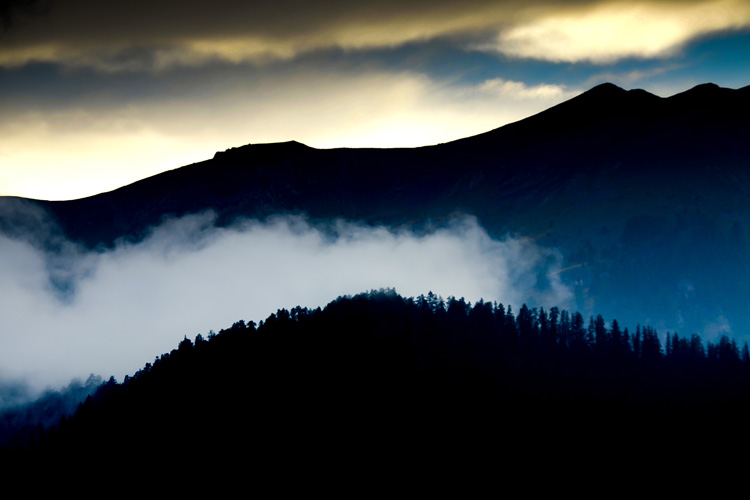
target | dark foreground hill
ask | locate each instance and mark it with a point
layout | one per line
(378, 386)
(646, 197)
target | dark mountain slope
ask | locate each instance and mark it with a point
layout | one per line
(376, 383)
(607, 135)
(647, 197)
(631, 133)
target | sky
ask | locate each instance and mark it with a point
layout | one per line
(95, 95)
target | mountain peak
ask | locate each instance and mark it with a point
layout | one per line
(704, 92)
(610, 91)
(705, 87)
(609, 95)
(606, 99)
(606, 87)
(275, 146)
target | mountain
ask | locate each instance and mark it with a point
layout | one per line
(374, 386)
(646, 197)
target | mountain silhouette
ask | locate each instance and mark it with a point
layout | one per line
(646, 197)
(378, 379)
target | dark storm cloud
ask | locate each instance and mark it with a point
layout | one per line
(10, 10)
(112, 35)
(168, 19)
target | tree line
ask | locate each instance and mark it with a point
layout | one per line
(374, 370)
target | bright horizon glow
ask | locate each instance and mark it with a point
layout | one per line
(76, 153)
(95, 96)
(67, 173)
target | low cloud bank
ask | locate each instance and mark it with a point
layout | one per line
(69, 313)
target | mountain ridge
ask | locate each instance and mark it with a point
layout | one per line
(622, 182)
(367, 373)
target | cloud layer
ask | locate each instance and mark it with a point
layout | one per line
(127, 35)
(72, 313)
(608, 31)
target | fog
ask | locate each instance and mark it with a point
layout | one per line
(69, 312)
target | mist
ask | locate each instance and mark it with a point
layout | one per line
(69, 312)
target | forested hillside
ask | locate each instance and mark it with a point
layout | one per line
(375, 373)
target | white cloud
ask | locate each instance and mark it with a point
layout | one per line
(137, 301)
(606, 32)
(519, 90)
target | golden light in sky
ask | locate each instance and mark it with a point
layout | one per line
(94, 95)
(611, 31)
(68, 155)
